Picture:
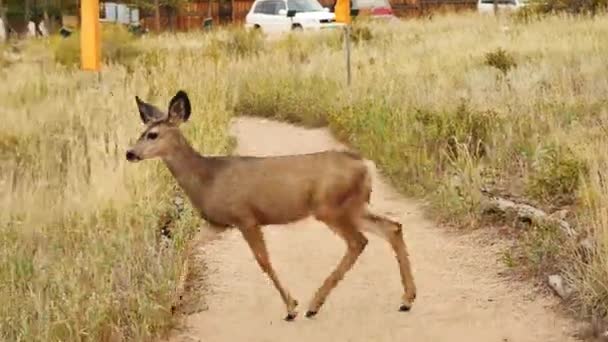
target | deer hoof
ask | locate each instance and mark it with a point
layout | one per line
(311, 314)
(405, 308)
(290, 316)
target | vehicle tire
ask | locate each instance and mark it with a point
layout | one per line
(297, 28)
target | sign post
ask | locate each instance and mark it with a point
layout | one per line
(343, 15)
(90, 36)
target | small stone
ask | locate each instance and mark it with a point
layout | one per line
(556, 282)
(587, 244)
(560, 214)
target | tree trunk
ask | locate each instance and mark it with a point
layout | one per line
(47, 21)
(209, 9)
(4, 28)
(26, 11)
(157, 15)
(495, 8)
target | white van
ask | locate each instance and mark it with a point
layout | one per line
(487, 6)
(286, 15)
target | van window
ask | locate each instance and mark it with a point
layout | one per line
(370, 3)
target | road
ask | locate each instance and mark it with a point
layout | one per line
(461, 296)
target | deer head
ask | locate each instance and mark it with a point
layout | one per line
(161, 132)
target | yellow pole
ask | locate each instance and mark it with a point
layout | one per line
(90, 35)
(342, 11)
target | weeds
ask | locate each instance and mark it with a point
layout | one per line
(78, 242)
(79, 252)
(501, 60)
(405, 111)
(556, 175)
(118, 46)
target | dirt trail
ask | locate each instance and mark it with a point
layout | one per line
(461, 297)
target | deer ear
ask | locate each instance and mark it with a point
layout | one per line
(148, 112)
(179, 108)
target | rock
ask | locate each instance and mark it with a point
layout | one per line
(557, 283)
(179, 203)
(527, 213)
(560, 214)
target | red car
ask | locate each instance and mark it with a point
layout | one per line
(375, 8)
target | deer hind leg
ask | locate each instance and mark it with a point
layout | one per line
(255, 240)
(355, 243)
(391, 232)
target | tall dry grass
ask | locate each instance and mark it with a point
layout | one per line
(459, 104)
(446, 107)
(80, 252)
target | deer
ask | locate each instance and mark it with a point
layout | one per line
(251, 192)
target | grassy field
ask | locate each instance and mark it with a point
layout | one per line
(446, 107)
(461, 105)
(80, 252)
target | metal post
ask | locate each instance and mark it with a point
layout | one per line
(347, 48)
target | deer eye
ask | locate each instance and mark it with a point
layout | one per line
(152, 135)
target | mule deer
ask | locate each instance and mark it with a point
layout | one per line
(250, 192)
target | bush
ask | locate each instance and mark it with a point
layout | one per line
(80, 256)
(577, 7)
(305, 100)
(556, 175)
(501, 60)
(236, 42)
(118, 46)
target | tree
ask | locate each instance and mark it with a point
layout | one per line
(171, 5)
(3, 29)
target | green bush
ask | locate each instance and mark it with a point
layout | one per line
(578, 7)
(556, 175)
(237, 42)
(361, 33)
(306, 100)
(117, 46)
(501, 60)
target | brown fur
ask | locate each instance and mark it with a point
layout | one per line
(250, 192)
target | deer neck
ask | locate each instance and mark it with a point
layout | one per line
(189, 168)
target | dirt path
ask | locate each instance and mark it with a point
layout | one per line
(461, 297)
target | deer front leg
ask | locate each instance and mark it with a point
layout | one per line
(255, 240)
(355, 243)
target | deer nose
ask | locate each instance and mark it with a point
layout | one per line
(132, 156)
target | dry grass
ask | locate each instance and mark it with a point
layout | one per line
(445, 107)
(80, 257)
(460, 103)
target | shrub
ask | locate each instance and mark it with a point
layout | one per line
(577, 7)
(556, 175)
(118, 46)
(361, 33)
(236, 42)
(501, 60)
(307, 100)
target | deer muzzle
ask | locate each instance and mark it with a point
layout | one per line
(132, 157)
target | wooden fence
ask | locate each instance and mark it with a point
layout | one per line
(192, 15)
(427, 7)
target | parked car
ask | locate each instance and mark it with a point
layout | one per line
(487, 6)
(377, 9)
(286, 15)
